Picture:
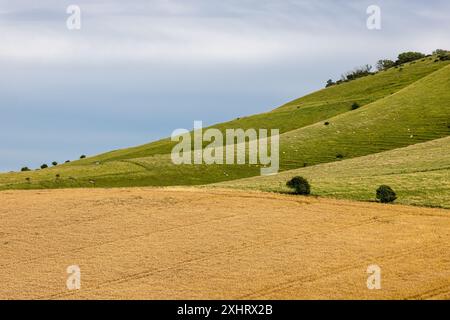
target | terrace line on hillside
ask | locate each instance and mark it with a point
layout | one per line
(214, 152)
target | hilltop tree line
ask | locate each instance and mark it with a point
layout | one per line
(45, 166)
(385, 64)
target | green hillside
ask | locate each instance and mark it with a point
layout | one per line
(400, 107)
(315, 107)
(420, 174)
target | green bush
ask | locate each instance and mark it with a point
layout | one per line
(355, 106)
(300, 185)
(54, 163)
(25, 169)
(385, 194)
(385, 64)
(44, 166)
(358, 72)
(440, 52)
(444, 57)
(82, 156)
(330, 83)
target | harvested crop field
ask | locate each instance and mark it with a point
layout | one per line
(180, 243)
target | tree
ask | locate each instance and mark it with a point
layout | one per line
(330, 83)
(54, 163)
(25, 169)
(44, 166)
(357, 73)
(409, 56)
(385, 64)
(440, 52)
(355, 106)
(385, 194)
(82, 156)
(300, 185)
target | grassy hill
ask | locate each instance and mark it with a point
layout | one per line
(420, 174)
(400, 107)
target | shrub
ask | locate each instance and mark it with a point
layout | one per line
(440, 52)
(300, 185)
(385, 194)
(339, 156)
(357, 73)
(444, 57)
(409, 57)
(28, 180)
(44, 166)
(326, 123)
(355, 106)
(82, 156)
(25, 169)
(54, 163)
(67, 161)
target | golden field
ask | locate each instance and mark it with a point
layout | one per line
(190, 243)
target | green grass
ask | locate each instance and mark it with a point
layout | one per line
(420, 174)
(399, 108)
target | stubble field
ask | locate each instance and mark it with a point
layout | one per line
(189, 243)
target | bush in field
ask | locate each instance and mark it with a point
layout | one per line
(44, 166)
(300, 185)
(357, 73)
(54, 163)
(409, 57)
(25, 169)
(82, 156)
(385, 194)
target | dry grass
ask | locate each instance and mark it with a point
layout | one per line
(219, 244)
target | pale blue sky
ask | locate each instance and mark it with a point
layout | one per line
(137, 70)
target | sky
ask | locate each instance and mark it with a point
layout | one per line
(137, 70)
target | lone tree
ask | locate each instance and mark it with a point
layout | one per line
(25, 169)
(54, 163)
(82, 156)
(300, 185)
(385, 194)
(44, 166)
